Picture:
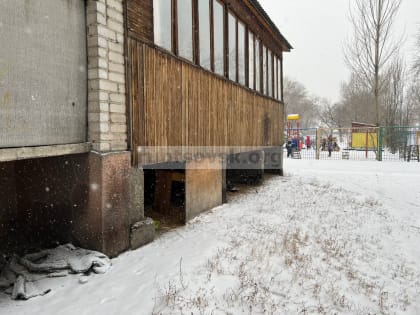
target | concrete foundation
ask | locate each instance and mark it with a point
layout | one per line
(203, 186)
(8, 202)
(224, 179)
(245, 168)
(104, 225)
(142, 233)
(40, 199)
(142, 230)
(273, 160)
(136, 200)
(82, 199)
(97, 200)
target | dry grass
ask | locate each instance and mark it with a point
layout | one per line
(318, 262)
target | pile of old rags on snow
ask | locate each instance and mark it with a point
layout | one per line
(20, 276)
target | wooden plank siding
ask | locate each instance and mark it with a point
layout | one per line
(174, 103)
(140, 20)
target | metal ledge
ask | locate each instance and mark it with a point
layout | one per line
(23, 153)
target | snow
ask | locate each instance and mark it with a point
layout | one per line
(331, 236)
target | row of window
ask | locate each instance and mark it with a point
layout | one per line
(248, 61)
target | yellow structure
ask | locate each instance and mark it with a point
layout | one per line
(359, 139)
(293, 117)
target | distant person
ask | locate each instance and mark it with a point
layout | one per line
(295, 143)
(289, 147)
(308, 142)
(330, 145)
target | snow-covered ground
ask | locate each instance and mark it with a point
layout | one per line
(329, 237)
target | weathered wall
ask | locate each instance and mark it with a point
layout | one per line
(50, 192)
(39, 199)
(245, 168)
(106, 75)
(273, 160)
(203, 186)
(8, 203)
(104, 223)
(42, 72)
(82, 199)
(136, 199)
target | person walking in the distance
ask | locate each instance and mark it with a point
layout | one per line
(330, 145)
(289, 147)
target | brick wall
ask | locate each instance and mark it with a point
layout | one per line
(106, 75)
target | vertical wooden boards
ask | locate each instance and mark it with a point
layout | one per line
(140, 20)
(136, 57)
(175, 104)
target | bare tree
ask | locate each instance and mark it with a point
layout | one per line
(356, 101)
(328, 115)
(412, 106)
(394, 93)
(411, 112)
(416, 63)
(298, 101)
(372, 46)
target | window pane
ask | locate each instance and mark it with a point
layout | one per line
(241, 53)
(270, 74)
(232, 47)
(264, 70)
(162, 23)
(251, 66)
(257, 66)
(185, 38)
(218, 37)
(204, 26)
(278, 79)
(275, 78)
(280, 83)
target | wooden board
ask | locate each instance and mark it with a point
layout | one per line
(175, 104)
(140, 20)
(203, 186)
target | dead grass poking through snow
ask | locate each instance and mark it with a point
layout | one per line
(319, 250)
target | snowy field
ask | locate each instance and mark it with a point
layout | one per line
(331, 237)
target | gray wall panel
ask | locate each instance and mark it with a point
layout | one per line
(43, 82)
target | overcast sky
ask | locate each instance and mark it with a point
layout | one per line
(317, 29)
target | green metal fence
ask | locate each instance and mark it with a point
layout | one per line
(393, 143)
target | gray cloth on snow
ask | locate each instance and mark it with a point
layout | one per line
(19, 276)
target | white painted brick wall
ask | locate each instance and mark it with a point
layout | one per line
(106, 75)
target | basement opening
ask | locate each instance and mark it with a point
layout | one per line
(164, 197)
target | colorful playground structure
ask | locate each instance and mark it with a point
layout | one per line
(293, 130)
(364, 136)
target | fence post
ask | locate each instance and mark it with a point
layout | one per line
(367, 143)
(409, 154)
(318, 142)
(380, 143)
